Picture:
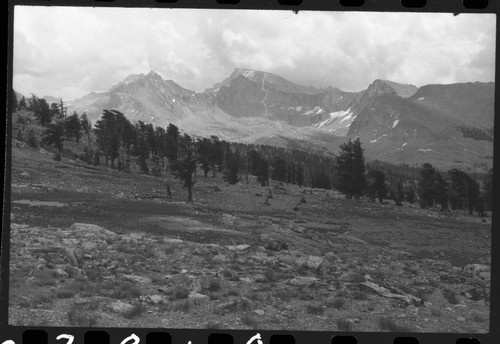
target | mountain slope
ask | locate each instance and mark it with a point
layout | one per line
(395, 122)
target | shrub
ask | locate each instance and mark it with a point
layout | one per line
(450, 296)
(249, 321)
(180, 293)
(213, 325)
(360, 295)
(126, 291)
(230, 275)
(336, 303)
(436, 312)
(214, 285)
(344, 325)
(315, 309)
(79, 316)
(45, 277)
(32, 139)
(40, 297)
(182, 306)
(57, 156)
(244, 305)
(389, 324)
(136, 310)
(65, 293)
(478, 317)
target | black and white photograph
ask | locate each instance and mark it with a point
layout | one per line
(230, 169)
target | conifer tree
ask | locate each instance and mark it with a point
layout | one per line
(185, 165)
(350, 169)
(375, 187)
(73, 126)
(232, 170)
(54, 135)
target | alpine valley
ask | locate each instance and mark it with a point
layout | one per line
(397, 123)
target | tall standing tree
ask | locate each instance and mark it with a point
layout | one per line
(54, 135)
(73, 126)
(350, 169)
(41, 110)
(375, 185)
(426, 186)
(232, 170)
(108, 136)
(185, 165)
(86, 127)
(13, 99)
(22, 104)
(488, 190)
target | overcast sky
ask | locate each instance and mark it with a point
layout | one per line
(69, 52)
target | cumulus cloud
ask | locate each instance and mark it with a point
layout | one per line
(69, 52)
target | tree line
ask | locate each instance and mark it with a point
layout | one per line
(158, 150)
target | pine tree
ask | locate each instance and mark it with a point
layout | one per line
(54, 135)
(184, 167)
(375, 187)
(426, 186)
(232, 170)
(86, 127)
(73, 126)
(488, 190)
(350, 169)
(41, 110)
(22, 104)
(108, 136)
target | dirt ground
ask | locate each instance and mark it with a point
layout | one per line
(97, 247)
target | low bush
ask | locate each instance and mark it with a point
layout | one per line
(344, 325)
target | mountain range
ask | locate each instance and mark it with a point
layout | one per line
(398, 123)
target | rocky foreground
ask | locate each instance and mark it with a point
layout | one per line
(92, 247)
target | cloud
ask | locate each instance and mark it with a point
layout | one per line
(69, 52)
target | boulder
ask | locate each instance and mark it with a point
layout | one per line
(138, 279)
(311, 262)
(91, 229)
(238, 247)
(220, 258)
(373, 287)
(121, 307)
(303, 281)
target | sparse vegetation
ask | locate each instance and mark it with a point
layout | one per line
(316, 309)
(337, 303)
(344, 325)
(136, 310)
(180, 292)
(249, 320)
(80, 314)
(450, 296)
(388, 324)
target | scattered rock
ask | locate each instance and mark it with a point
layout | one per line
(60, 273)
(198, 296)
(409, 299)
(138, 279)
(303, 281)
(154, 299)
(331, 257)
(311, 262)
(90, 229)
(220, 258)
(121, 307)
(238, 247)
(259, 312)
